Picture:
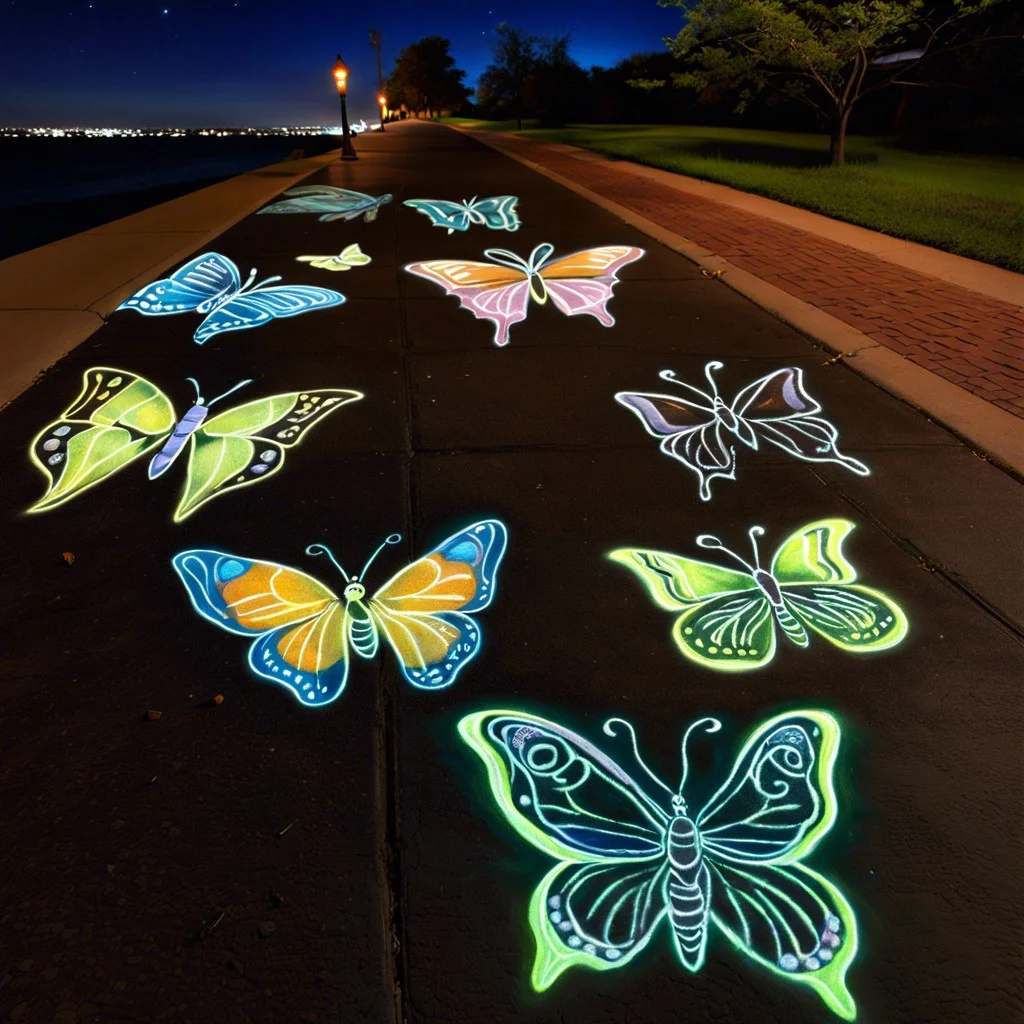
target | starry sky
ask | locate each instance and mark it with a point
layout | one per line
(136, 63)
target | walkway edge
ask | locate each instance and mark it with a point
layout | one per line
(54, 297)
(989, 430)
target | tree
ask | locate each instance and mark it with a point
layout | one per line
(505, 82)
(819, 52)
(425, 78)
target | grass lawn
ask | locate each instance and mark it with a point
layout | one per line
(972, 206)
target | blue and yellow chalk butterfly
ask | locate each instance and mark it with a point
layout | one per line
(303, 630)
(120, 416)
(496, 212)
(631, 854)
(729, 617)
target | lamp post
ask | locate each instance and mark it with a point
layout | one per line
(341, 81)
(383, 101)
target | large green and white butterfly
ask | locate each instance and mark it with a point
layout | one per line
(730, 617)
(631, 853)
(120, 416)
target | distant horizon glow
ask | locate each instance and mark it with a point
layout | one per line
(207, 63)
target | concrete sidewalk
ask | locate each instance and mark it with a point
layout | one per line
(261, 861)
(888, 306)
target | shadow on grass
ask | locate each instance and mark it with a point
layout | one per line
(772, 155)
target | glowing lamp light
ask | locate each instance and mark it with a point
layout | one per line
(341, 75)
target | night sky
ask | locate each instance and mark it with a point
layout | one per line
(250, 62)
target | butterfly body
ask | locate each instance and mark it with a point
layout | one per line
(631, 855)
(303, 632)
(211, 286)
(496, 212)
(500, 291)
(695, 426)
(119, 416)
(729, 617)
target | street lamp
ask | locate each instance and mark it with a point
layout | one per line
(382, 100)
(341, 81)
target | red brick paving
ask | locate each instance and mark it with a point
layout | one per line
(970, 339)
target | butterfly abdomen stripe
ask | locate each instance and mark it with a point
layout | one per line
(687, 889)
(363, 634)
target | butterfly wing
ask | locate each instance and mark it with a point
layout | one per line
(489, 292)
(253, 309)
(117, 418)
(778, 409)
(817, 583)
(599, 907)
(690, 431)
(334, 203)
(300, 626)
(247, 444)
(791, 920)
(727, 621)
(443, 213)
(422, 611)
(198, 282)
(583, 281)
(496, 212)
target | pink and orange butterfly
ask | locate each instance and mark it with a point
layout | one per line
(303, 630)
(500, 291)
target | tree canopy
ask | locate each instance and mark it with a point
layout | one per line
(822, 53)
(425, 78)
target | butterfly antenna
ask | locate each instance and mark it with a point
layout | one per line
(708, 370)
(711, 543)
(266, 280)
(391, 538)
(249, 280)
(710, 725)
(195, 384)
(668, 375)
(323, 549)
(754, 532)
(240, 384)
(610, 731)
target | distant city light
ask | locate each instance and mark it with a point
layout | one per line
(174, 133)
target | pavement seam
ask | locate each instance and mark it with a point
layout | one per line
(988, 429)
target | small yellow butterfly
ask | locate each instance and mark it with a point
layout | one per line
(349, 257)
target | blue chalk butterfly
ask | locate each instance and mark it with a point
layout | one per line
(331, 202)
(303, 631)
(631, 853)
(211, 286)
(496, 212)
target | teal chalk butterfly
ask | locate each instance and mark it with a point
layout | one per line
(632, 855)
(730, 618)
(120, 416)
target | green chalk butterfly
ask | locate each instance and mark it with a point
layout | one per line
(729, 617)
(120, 416)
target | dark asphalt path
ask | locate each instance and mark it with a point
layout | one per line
(396, 890)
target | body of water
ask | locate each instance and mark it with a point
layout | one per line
(54, 187)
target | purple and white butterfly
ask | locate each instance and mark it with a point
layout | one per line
(698, 428)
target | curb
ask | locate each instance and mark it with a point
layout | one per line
(988, 430)
(48, 306)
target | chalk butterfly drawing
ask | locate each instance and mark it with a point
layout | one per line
(303, 630)
(729, 617)
(120, 417)
(211, 286)
(331, 202)
(632, 854)
(500, 291)
(496, 212)
(698, 428)
(349, 257)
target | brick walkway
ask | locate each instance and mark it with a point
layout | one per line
(972, 340)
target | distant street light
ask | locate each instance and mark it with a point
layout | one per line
(383, 101)
(341, 81)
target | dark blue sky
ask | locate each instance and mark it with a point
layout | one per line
(238, 62)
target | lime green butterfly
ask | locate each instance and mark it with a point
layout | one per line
(349, 257)
(120, 417)
(729, 617)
